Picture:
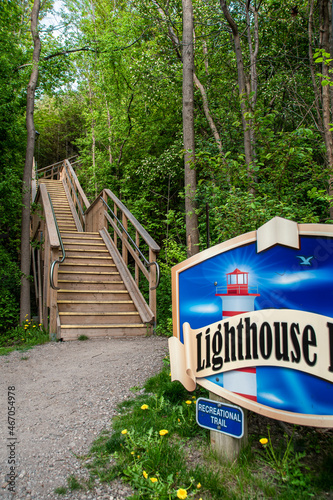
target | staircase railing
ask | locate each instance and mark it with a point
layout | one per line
(46, 245)
(120, 223)
(125, 236)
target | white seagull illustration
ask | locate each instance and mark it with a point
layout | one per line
(305, 261)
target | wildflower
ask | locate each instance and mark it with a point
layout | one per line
(163, 432)
(26, 316)
(170, 374)
(124, 431)
(263, 441)
(34, 326)
(193, 397)
(144, 407)
(198, 486)
(181, 493)
(132, 452)
(188, 402)
(153, 479)
(145, 475)
(178, 419)
(138, 456)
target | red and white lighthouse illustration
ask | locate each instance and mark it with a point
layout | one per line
(238, 299)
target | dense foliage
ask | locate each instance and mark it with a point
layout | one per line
(116, 101)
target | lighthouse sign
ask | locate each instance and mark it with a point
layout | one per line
(253, 321)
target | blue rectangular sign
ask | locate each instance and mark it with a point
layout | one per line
(220, 417)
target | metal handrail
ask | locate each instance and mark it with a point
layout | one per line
(146, 262)
(57, 261)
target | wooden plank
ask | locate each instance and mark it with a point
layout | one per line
(53, 295)
(77, 184)
(72, 208)
(49, 219)
(145, 312)
(40, 291)
(141, 230)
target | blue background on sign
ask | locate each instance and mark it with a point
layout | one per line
(233, 427)
(283, 283)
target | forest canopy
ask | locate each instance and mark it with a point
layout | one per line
(110, 90)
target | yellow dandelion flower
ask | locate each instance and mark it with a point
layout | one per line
(132, 452)
(124, 431)
(199, 486)
(178, 419)
(153, 479)
(138, 456)
(145, 475)
(188, 402)
(170, 374)
(163, 432)
(263, 441)
(182, 494)
(193, 397)
(144, 407)
(34, 326)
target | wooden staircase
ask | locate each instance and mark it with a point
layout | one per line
(92, 299)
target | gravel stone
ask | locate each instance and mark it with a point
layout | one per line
(65, 395)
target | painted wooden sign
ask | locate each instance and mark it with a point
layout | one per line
(253, 321)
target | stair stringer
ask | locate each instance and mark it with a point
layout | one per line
(146, 314)
(71, 206)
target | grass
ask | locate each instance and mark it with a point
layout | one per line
(23, 337)
(179, 462)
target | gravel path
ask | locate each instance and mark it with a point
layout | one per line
(65, 395)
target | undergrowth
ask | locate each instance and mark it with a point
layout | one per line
(156, 446)
(23, 337)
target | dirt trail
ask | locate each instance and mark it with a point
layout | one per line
(65, 395)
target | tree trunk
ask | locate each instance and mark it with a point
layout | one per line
(326, 98)
(316, 90)
(242, 89)
(26, 188)
(192, 231)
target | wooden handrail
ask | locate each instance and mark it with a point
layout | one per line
(44, 233)
(98, 218)
(119, 228)
(49, 219)
(130, 217)
(77, 184)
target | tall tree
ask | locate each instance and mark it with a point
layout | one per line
(192, 231)
(26, 188)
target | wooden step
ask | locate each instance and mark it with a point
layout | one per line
(68, 266)
(89, 275)
(100, 332)
(96, 306)
(102, 319)
(87, 285)
(64, 294)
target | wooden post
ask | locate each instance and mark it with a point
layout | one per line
(46, 277)
(53, 297)
(40, 291)
(124, 237)
(137, 270)
(152, 283)
(115, 239)
(227, 446)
